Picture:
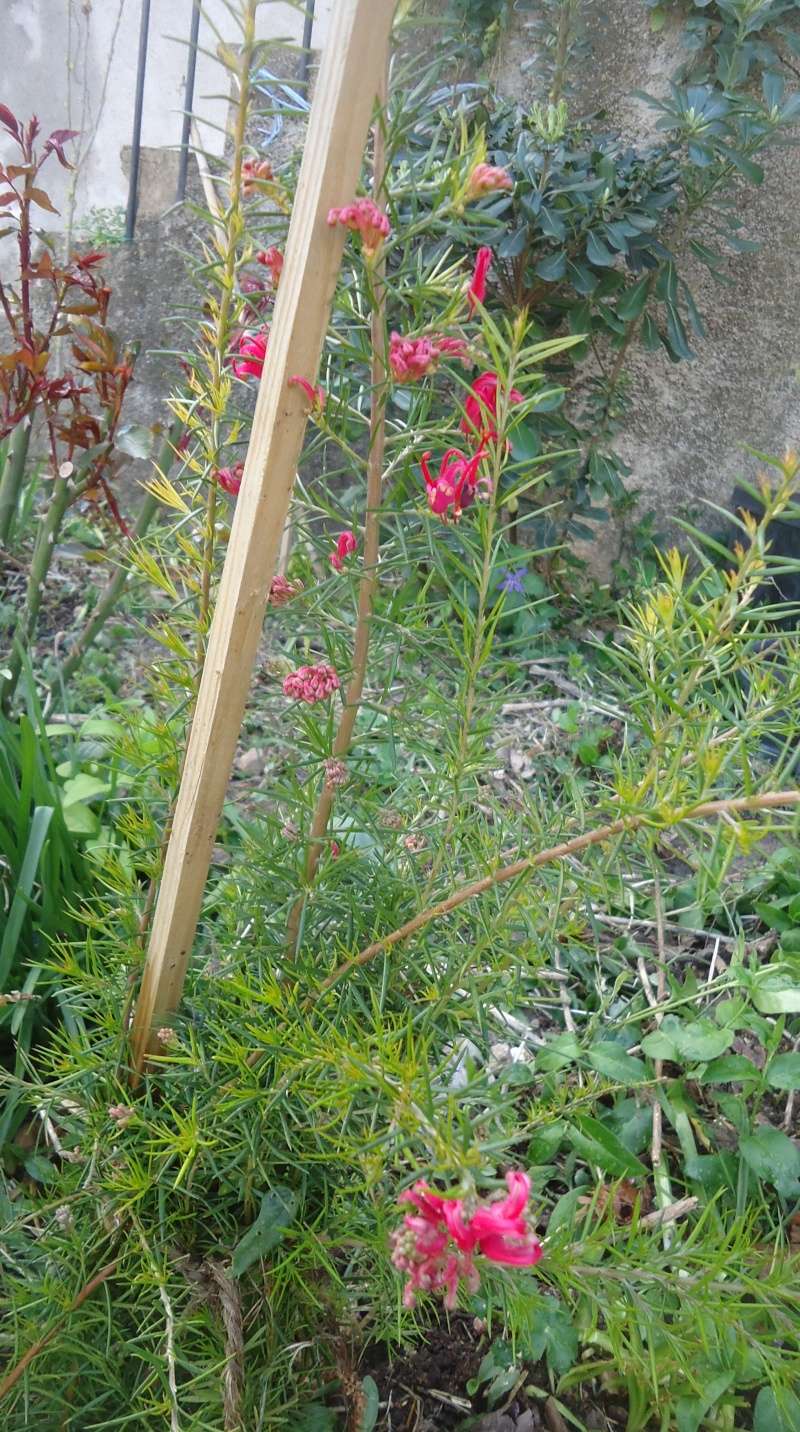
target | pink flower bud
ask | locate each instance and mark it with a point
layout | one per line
(231, 478)
(121, 1114)
(311, 683)
(252, 348)
(316, 395)
(281, 591)
(336, 773)
(476, 293)
(487, 179)
(345, 546)
(413, 358)
(480, 409)
(271, 258)
(365, 218)
(256, 173)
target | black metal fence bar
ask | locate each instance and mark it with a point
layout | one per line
(136, 141)
(188, 102)
(308, 30)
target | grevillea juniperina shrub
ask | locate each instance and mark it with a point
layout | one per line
(445, 1048)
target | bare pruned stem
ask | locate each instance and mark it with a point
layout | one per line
(739, 805)
(369, 576)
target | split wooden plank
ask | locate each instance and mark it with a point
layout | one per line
(350, 77)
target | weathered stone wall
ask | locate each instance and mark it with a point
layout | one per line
(690, 422)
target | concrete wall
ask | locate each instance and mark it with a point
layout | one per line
(73, 62)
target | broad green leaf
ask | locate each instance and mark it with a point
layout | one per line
(550, 1333)
(658, 1046)
(775, 994)
(714, 1172)
(559, 1053)
(730, 1069)
(277, 1211)
(612, 1061)
(84, 787)
(597, 252)
(690, 1411)
(526, 443)
(774, 1158)
(371, 1407)
(101, 726)
(776, 1412)
(565, 1210)
(632, 1123)
(80, 820)
(314, 1418)
(546, 1142)
(553, 267)
(783, 1072)
(694, 1041)
(39, 1168)
(632, 302)
(598, 1145)
(651, 338)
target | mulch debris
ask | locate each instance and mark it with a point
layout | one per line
(425, 1389)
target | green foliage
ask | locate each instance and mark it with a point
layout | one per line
(44, 874)
(730, 39)
(589, 241)
(477, 25)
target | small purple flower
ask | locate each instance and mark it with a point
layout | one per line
(513, 581)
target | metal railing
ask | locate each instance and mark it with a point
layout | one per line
(188, 103)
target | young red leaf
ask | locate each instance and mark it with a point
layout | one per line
(42, 199)
(8, 120)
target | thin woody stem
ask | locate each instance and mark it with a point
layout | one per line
(368, 585)
(231, 227)
(12, 1378)
(477, 654)
(739, 805)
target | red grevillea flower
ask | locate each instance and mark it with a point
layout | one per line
(454, 488)
(255, 173)
(311, 683)
(252, 348)
(413, 358)
(281, 591)
(436, 1244)
(272, 259)
(345, 547)
(476, 292)
(316, 395)
(487, 179)
(231, 478)
(365, 218)
(455, 347)
(480, 409)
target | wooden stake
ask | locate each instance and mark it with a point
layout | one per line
(350, 76)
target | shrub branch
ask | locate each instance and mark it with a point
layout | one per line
(739, 805)
(368, 585)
